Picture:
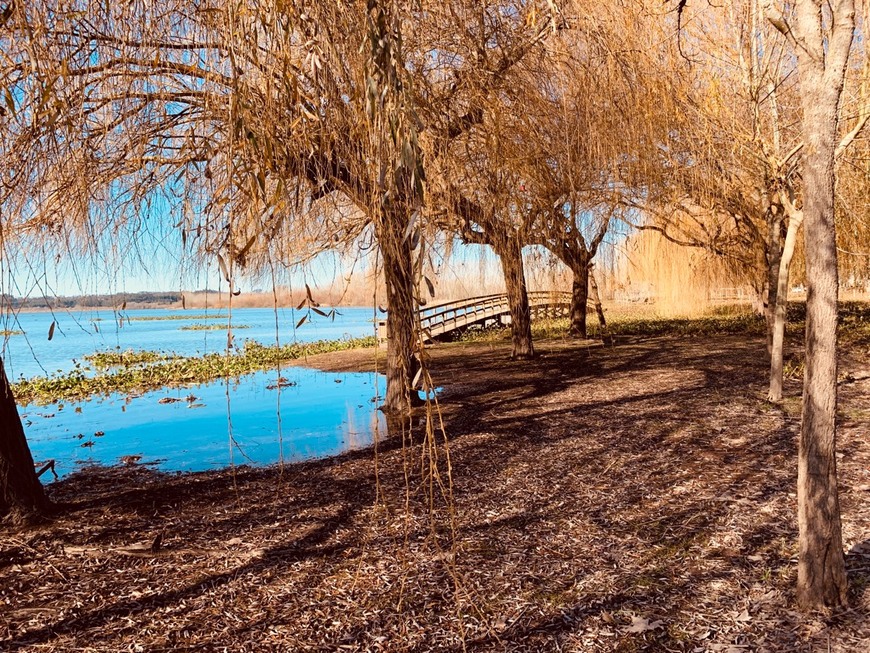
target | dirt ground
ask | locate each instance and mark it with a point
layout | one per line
(639, 497)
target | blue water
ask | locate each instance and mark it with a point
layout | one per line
(83, 332)
(248, 421)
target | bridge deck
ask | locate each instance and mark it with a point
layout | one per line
(440, 320)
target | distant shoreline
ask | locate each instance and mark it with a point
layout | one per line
(165, 307)
(183, 299)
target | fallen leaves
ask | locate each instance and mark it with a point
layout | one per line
(642, 624)
(586, 519)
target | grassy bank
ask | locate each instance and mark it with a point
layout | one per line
(131, 372)
(642, 321)
(639, 321)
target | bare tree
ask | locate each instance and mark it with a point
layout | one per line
(823, 46)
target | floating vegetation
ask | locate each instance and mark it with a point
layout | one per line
(104, 359)
(156, 318)
(171, 370)
(11, 332)
(212, 327)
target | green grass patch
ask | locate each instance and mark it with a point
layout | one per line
(634, 323)
(172, 370)
(641, 321)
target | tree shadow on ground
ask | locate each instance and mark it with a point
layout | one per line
(646, 480)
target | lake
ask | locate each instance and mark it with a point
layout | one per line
(83, 332)
(251, 420)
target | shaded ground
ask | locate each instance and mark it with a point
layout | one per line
(630, 498)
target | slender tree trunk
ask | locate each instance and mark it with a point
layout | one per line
(596, 300)
(781, 309)
(401, 314)
(579, 300)
(821, 566)
(774, 256)
(510, 254)
(21, 493)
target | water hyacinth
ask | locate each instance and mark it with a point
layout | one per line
(142, 371)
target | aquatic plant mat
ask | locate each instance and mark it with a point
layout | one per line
(132, 372)
(638, 497)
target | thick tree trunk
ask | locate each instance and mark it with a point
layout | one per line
(599, 309)
(821, 567)
(510, 254)
(21, 493)
(579, 300)
(781, 309)
(401, 314)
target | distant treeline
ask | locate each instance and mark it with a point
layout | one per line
(114, 300)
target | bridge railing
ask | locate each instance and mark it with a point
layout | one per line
(432, 317)
(437, 319)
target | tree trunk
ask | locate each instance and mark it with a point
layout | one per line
(401, 314)
(774, 258)
(599, 310)
(821, 566)
(579, 300)
(21, 493)
(510, 254)
(781, 308)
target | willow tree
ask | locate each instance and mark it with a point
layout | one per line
(543, 159)
(500, 217)
(247, 115)
(729, 175)
(724, 148)
(572, 135)
(486, 203)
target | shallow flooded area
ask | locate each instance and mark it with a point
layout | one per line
(261, 418)
(258, 419)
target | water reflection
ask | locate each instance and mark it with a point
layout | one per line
(195, 428)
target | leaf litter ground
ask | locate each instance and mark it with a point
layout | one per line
(639, 497)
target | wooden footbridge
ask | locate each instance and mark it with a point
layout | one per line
(439, 321)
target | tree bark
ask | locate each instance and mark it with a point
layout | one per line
(579, 300)
(821, 566)
(780, 317)
(774, 266)
(510, 254)
(401, 314)
(21, 494)
(599, 309)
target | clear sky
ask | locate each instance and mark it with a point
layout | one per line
(157, 264)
